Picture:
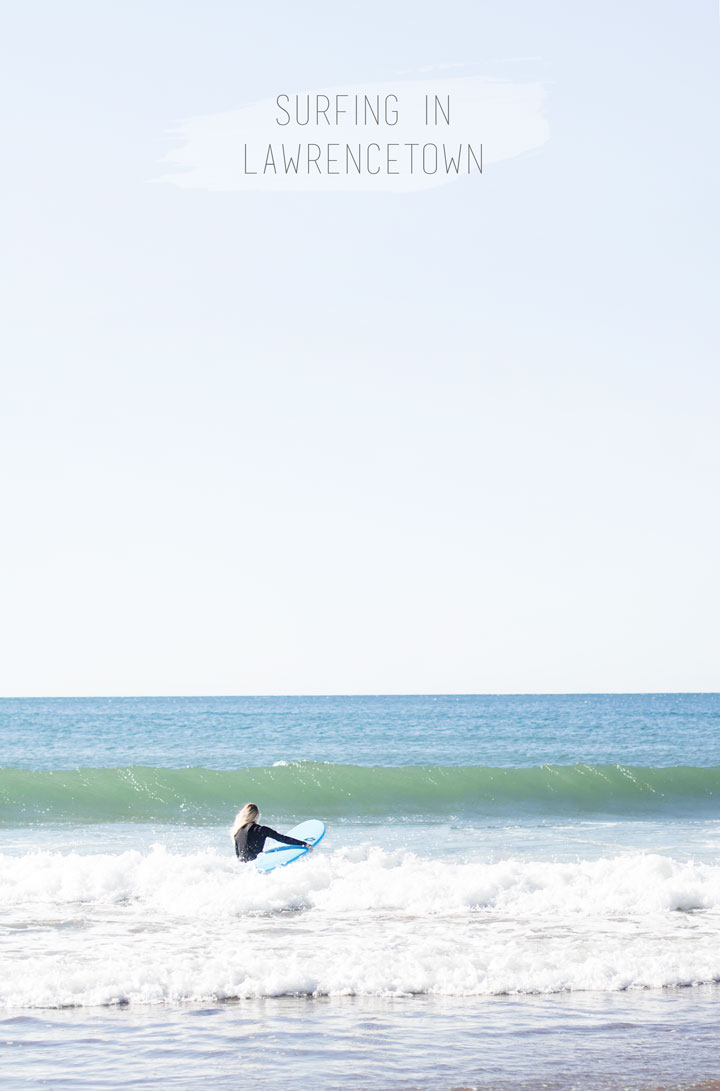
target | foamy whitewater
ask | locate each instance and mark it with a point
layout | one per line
(452, 893)
(151, 927)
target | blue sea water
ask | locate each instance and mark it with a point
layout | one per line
(654, 729)
(513, 892)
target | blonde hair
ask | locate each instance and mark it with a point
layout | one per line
(245, 817)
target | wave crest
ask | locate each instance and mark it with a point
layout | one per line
(207, 796)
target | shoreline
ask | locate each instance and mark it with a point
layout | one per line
(645, 1040)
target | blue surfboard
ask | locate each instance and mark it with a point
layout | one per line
(276, 854)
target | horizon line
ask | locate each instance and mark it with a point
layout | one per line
(436, 693)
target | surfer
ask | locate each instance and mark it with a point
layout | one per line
(249, 837)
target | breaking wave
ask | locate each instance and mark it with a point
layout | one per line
(158, 927)
(206, 796)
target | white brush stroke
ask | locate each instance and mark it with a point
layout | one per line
(504, 117)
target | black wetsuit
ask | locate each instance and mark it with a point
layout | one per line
(249, 840)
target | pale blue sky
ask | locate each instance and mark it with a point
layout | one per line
(458, 440)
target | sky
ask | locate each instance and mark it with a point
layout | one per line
(459, 439)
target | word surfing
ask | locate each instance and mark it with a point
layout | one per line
(361, 157)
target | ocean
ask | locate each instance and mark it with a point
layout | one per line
(513, 892)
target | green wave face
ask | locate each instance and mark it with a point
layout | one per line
(204, 796)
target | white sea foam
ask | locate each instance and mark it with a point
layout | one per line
(156, 927)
